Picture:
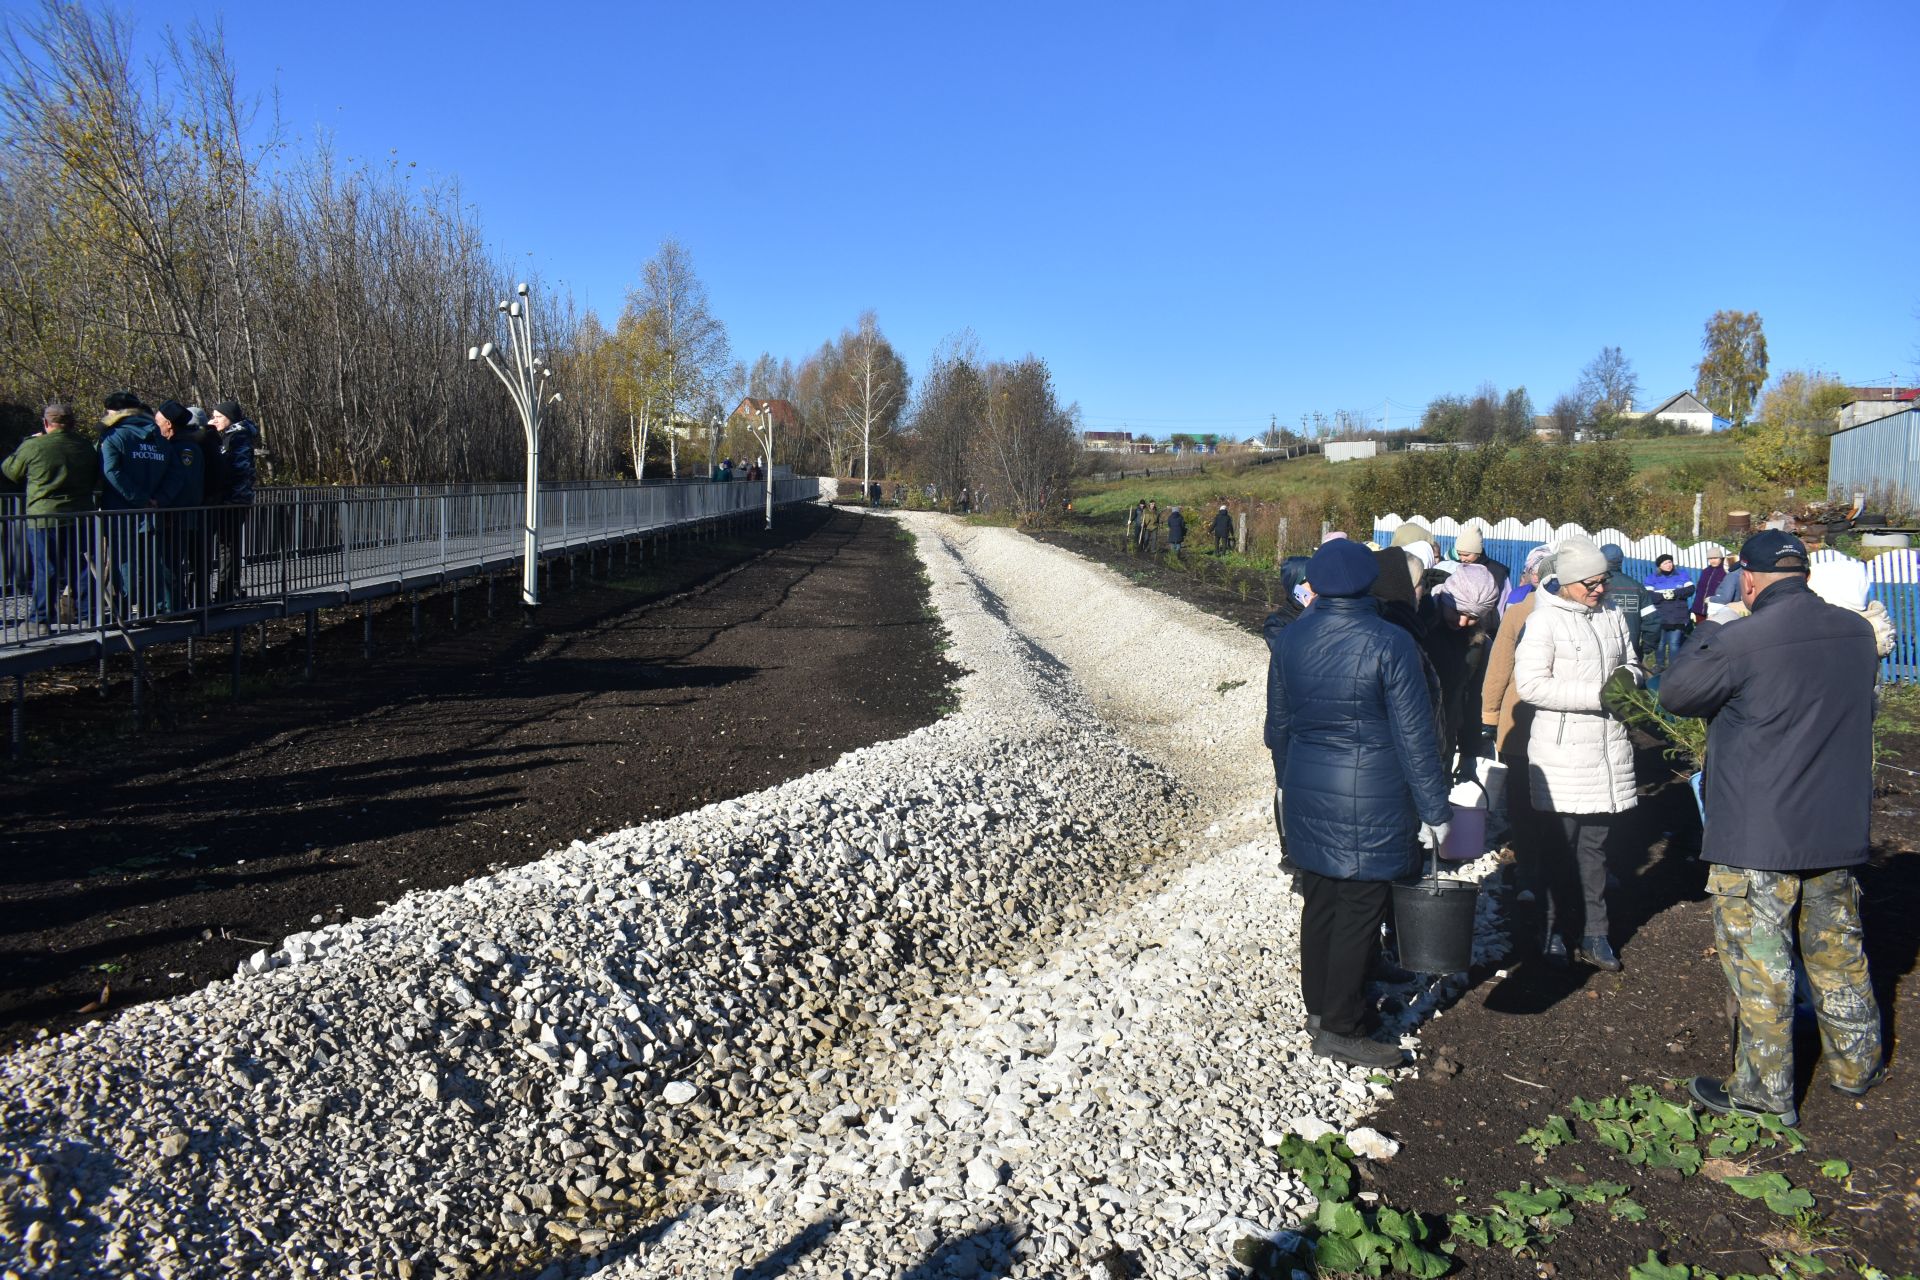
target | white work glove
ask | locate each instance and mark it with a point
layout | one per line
(1434, 835)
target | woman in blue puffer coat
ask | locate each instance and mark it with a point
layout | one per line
(1356, 752)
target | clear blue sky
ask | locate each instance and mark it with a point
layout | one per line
(1199, 214)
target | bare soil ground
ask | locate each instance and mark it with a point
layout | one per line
(149, 863)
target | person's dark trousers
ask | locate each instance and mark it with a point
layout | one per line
(1219, 544)
(229, 525)
(53, 553)
(1577, 877)
(1339, 933)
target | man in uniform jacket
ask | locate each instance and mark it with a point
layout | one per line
(1356, 753)
(133, 464)
(1789, 696)
(60, 472)
(1671, 591)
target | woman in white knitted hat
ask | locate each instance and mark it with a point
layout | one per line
(1573, 664)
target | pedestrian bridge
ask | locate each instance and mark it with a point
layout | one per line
(139, 579)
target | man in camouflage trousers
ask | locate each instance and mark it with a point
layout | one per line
(1789, 693)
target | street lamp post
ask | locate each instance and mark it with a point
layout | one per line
(527, 386)
(766, 451)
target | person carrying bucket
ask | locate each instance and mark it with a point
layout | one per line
(1356, 754)
(1574, 664)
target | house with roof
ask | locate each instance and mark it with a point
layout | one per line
(1107, 441)
(1685, 410)
(785, 416)
(1869, 404)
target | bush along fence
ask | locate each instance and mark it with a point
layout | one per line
(1893, 576)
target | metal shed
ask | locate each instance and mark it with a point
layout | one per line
(1880, 458)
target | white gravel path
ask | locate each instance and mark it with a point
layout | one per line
(994, 998)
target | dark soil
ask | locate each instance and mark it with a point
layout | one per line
(1527, 1043)
(152, 863)
(1233, 593)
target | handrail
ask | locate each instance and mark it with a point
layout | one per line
(105, 570)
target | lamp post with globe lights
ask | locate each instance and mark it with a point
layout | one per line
(525, 378)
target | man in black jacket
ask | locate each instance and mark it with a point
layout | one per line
(1789, 692)
(1222, 531)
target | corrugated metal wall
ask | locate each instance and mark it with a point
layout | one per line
(1878, 457)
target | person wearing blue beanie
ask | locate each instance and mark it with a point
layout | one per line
(1342, 568)
(1357, 758)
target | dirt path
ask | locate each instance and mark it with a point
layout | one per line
(163, 859)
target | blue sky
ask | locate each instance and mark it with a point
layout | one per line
(1201, 214)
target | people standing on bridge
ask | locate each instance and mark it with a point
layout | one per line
(1788, 695)
(1222, 531)
(133, 466)
(1573, 664)
(179, 496)
(59, 472)
(1176, 530)
(1356, 756)
(238, 441)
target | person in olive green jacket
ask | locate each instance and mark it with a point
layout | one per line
(60, 471)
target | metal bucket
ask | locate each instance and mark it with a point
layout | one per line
(1433, 922)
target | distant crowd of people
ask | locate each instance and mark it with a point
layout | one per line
(175, 483)
(1394, 670)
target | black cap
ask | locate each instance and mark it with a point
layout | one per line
(120, 400)
(229, 407)
(1774, 551)
(174, 412)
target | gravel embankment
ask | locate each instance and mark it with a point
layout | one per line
(771, 1020)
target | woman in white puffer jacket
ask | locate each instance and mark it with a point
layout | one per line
(1580, 759)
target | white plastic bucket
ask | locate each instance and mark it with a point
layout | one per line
(1467, 838)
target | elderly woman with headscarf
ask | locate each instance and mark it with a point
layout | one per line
(1575, 664)
(1462, 615)
(1356, 751)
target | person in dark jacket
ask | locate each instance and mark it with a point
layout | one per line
(1788, 693)
(1176, 530)
(60, 472)
(1671, 591)
(239, 442)
(1222, 531)
(1461, 615)
(1626, 596)
(179, 497)
(1357, 754)
(1295, 596)
(133, 466)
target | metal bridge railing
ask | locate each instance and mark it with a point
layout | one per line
(102, 571)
